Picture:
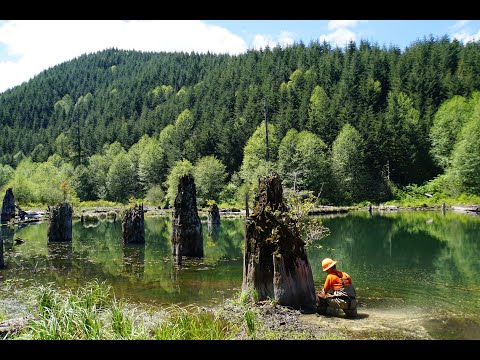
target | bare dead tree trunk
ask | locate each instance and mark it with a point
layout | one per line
(187, 239)
(133, 227)
(60, 222)
(275, 261)
(214, 215)
(8, 206)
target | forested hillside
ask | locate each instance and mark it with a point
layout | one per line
(352, 124)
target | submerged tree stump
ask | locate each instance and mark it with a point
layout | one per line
(187, 239)
(133, 226)
(213, 214)
(213, 232)
(275, 261)
(60, 222)
(2, 262)
(60, 256)
(134, 260)
(8, 206)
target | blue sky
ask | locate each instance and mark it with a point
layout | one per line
(29, 46)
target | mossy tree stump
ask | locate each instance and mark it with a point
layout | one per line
(8, 206)
(275, 261)
(133, 225)
(187, 239)
(60, 222)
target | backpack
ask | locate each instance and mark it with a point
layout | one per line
(346, 290)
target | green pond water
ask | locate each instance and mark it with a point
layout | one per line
(416, 261)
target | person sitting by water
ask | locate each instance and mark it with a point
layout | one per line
(337, 292)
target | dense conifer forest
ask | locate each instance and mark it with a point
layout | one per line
(357, 124)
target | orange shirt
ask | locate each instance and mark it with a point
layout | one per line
(333, 281)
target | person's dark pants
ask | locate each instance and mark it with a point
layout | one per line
(331, 306)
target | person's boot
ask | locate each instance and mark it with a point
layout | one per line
(351, 314)
(322, 309)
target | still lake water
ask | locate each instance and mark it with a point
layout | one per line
(400, 261)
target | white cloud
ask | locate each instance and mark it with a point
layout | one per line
(459, 24)
(342, 34)
(337, 24)
(464, 31)
(261, 42)
(339, 37)
(40, 44)
(284, 39)
(466, 37)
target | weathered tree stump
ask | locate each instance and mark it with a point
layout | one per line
(213, 222)
(187, 239)
(213, 214)
(8, 206)
(275, 261)
(133, 226)
(60, 222)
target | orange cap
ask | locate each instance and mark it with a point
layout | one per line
(327, 263)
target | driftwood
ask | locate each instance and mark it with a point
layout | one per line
(13, 325)
(328, 210)
(275, 261)
(133, 226)
(25, 221)
(21, 213)
(60, 222)
(466, 209)
(187, 238)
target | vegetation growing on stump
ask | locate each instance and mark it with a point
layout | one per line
(133, 228)
(275, 261)
(187, 237)
(60, 222)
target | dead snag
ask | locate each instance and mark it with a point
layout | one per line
(60, 223)
(187, 239)
(275, 261)
(133, 226)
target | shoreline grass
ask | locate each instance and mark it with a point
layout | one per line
(94, 313)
